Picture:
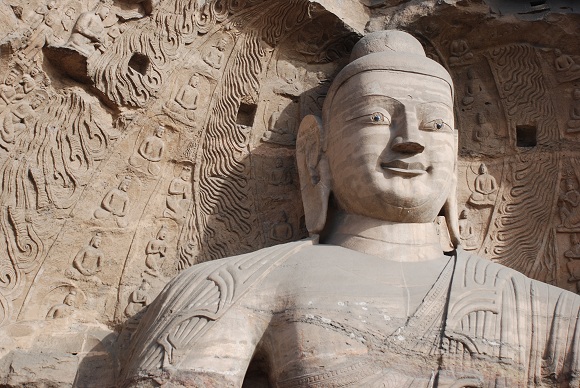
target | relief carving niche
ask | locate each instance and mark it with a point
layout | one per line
(139, 138)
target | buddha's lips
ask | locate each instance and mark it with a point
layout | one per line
(412, 168)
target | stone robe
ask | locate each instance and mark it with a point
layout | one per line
(311, 315)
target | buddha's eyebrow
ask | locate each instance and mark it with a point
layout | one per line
(376, 101)
(379, 97)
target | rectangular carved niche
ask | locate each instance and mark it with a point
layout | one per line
(526, 135)
(246, 114)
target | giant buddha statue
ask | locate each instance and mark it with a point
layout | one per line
(373, 302)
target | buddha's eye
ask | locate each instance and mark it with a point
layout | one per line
(436, 125)
(379, 118)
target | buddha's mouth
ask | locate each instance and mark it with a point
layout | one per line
(405, 168)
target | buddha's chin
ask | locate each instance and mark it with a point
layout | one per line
(424, 213)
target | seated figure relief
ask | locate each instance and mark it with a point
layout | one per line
(179, 195)
(116, 204)
(568, 205)
(281, 231)
(215, 56)
(156, 250)
(459, 52)
(486, 188)
(187, 96)
(64, 309)
(280, 129)
(185, 102)
(375, 302)
(566, 68)
(88, 261)
(138, 299)
(88, 33)
(149, 153)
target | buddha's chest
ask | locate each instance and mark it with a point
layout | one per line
(345, 317)
(342, 334)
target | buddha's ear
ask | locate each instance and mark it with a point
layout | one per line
(314, 172)
(450, 206)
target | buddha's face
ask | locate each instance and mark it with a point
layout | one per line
(391, 146)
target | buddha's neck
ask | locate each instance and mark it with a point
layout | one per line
(389, 240)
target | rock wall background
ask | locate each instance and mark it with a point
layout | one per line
(139, 138)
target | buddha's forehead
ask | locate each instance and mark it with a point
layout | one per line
(372, 85)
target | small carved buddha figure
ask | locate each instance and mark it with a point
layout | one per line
(186, 98)
(564, 62)
(150, 152)
(473, 87)
(486, 188)
(88, 260)
(156, 250)
(88, 32)
(467, 231)
(459, 52)
(179, 194)
(568, 205)
(138, 299)
(215, 56)
(64, 309)
(116, 203)
(282, 230)
(483, 130)
(376, 303)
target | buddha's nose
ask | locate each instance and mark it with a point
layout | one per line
(408, 137)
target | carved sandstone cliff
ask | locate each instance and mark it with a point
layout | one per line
(140, 138)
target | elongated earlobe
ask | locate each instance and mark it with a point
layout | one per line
(314, 173)
(451, 218)
(450, 206)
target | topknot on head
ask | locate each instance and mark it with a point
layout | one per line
(387, 41)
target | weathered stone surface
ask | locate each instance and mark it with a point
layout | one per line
(377, 301)
(138, 138)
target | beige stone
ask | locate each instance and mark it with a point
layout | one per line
(86, 86)
(378, 300)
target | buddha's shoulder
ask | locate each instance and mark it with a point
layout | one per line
(472, 268)
(235, 273)
(193, 301)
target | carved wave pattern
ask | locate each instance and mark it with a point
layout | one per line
(159, 38)
(49, 166)
(519, 234)
(224, 202)
(59, 155)
(284, 17)
(520, 80)
(123, 84)
(226, 207)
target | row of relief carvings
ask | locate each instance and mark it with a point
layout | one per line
(50, 143)
(527, 205)
(280, 130)
(116, 51)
